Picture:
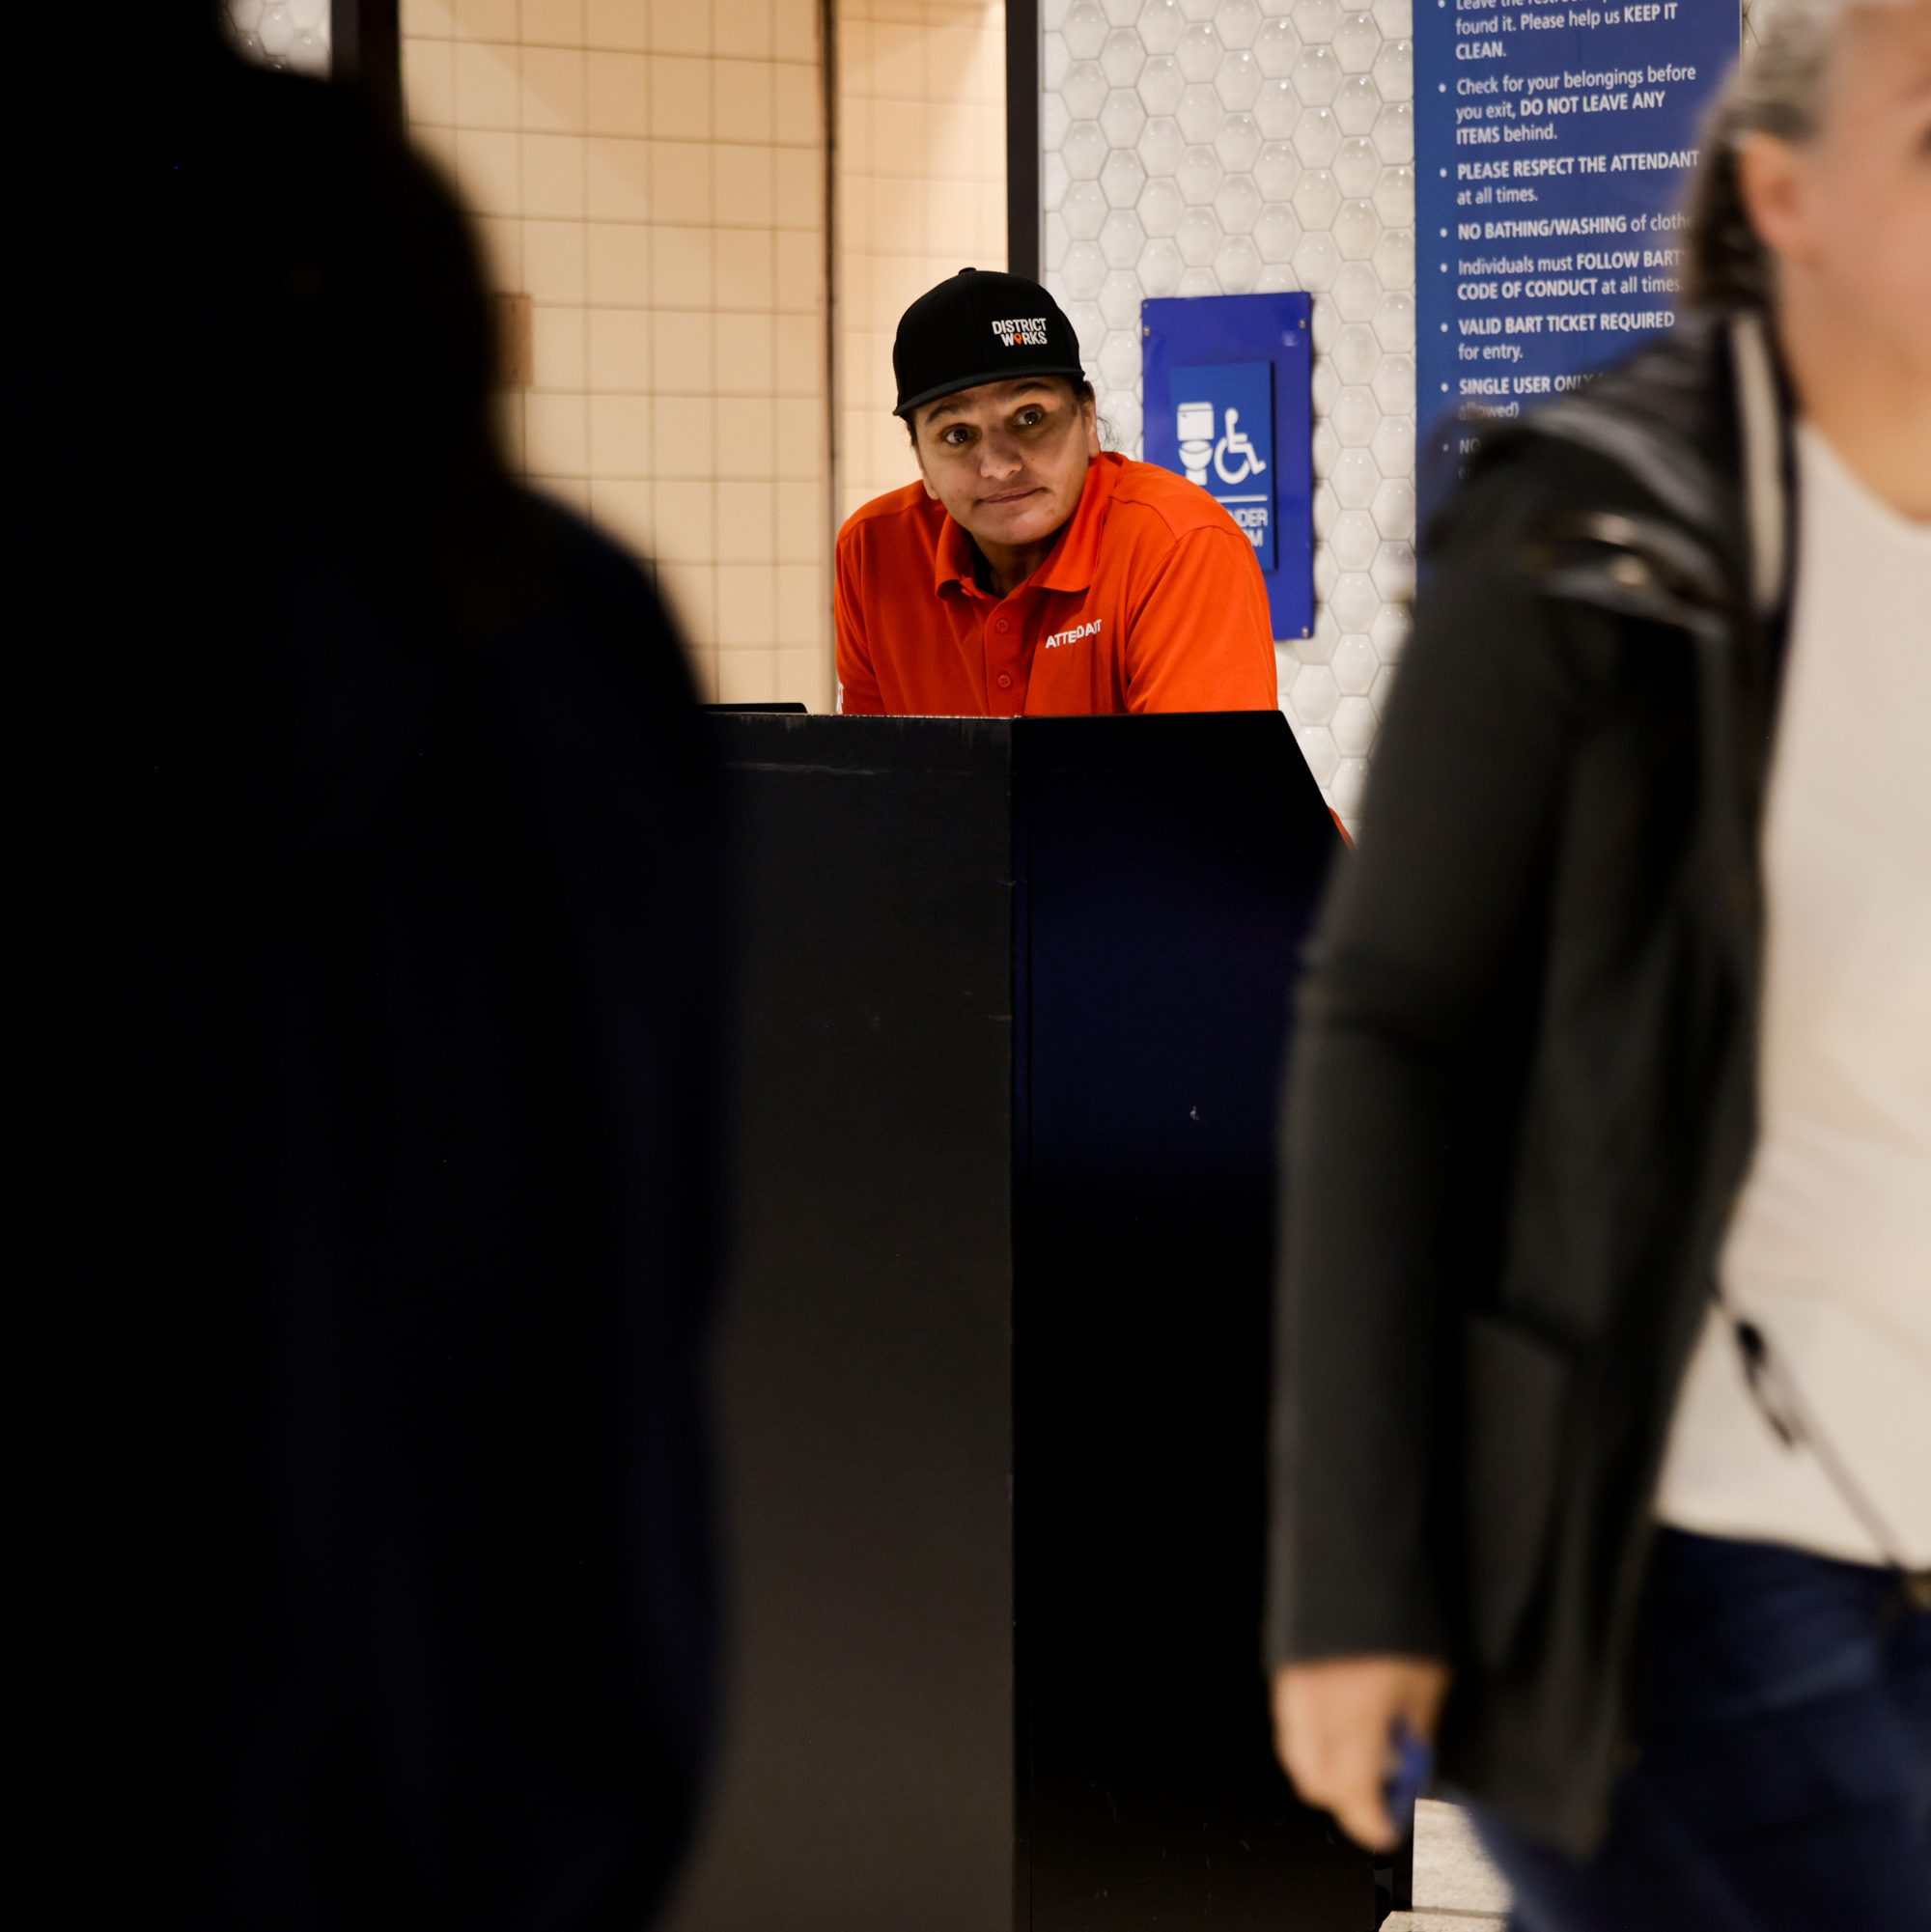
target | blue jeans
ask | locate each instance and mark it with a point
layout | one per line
(1784, 1782)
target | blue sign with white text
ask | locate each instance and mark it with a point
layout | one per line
(1226, 401)
(1552, 147)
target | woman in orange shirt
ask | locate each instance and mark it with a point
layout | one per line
(1030, 572)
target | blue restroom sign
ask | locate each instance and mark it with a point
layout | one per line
(1226, 401)
(1224, 436)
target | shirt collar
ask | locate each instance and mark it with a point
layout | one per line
(1072, 562)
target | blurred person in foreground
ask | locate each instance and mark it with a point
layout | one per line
(1605, 1416)
(370, 915)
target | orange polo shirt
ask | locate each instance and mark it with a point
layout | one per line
(1151, 601)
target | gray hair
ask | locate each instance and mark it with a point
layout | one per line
(1781, 87)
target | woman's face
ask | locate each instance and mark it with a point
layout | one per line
(1008, 459)
(1848, 213)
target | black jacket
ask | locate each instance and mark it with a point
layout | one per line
(1522, 1094)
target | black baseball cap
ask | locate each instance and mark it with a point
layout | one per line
(980, 326)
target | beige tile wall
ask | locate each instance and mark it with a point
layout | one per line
(921, 190)
(651, 172)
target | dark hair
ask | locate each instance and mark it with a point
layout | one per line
(1082, 388)
(1777, 88)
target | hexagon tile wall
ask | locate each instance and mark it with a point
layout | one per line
(1214, 147)
(281, 33)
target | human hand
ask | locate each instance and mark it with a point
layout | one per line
(1333, 1722)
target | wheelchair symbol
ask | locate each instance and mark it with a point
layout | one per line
(1235, 443)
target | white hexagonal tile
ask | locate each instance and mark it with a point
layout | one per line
(1318, 645)
(1353, 540)
(1160, 206)
(1316, 746)
(1198, 235)
(1353, 601)
(1122, 57)
(1357, 230)
(1121, 178)
(1199, 176)
(1357, 166)
(1345, 790)
(1393, 446)
(1120, 357)
(1356, 415)
(1394, 322)
(1393, 133)
(1056, 240)
(1354, 665)
(1278, 47)
(1238, 204)
(1159, 26)
(1083, 210)
(1199, 52)
(1353, 721)
(1122, 13)
(1323, 384)
(1238, 21)
(1277, 170)
(1122, 238)
(1123, 117)
(1277, 233)
(1354, 352)
(1199, 113)
(1238, 264)
(1325, 449)
(1395, 257)
(1161, 85)
(1052, 178)
(1317, 200)
(1054, 61)
(1316, 76)
(1162, 145)
(1238, 144)
(1199, 280)
(1389, 633)
(1083, 91)
(1354, 477)
(1122, 413)
(1052, 14)
(1316, 260)
(1090, 325)
(1317, 136)
(1053, 122)
(1395, 387)
(1358, 293)
(1394, 569)
(1394, 70)
(1120, 297)
(1382, 688)
(1313, 695)
(1326, 324)
(1394, 17)
(1357, 43)
(1277, 278)
(1327, 510)
(1394, 509)
(1238, 80)
(1357, 107)
(1199, 9)
(1085, 29)
(1395, 194)
(1161, 266)
(1084, 151)
(1316, 20)
(1276, 108)
(1082, 270)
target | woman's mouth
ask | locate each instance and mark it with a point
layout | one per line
(1012, 495)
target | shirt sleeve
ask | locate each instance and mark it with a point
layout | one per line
(858, 679)
(1202, 636)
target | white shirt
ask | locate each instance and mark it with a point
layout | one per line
(1830, 1250)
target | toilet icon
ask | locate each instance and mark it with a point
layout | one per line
(1193, 425)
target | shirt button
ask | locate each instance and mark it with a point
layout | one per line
(1003, 625)
(1005, 678)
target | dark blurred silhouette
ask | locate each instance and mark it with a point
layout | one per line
(370, 903)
